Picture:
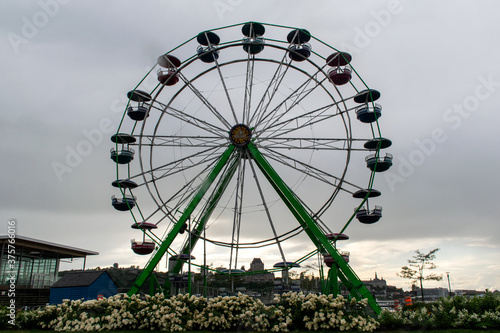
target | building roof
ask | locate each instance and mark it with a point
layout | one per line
(40, 248)
(79, 279)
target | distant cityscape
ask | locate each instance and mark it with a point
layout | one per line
(264, 285)
(36, 277)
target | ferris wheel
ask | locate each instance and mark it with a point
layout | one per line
(243, 138)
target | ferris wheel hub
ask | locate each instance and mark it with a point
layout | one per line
(240, 135)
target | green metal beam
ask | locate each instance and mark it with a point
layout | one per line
(333, 281)
(178, 225)
(215, 197)
(153, 283)
(317, 236)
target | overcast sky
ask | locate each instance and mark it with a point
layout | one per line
(67, 65)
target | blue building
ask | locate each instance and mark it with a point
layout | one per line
(84, 285)
(35, 265)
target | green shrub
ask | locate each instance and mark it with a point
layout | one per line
(8, 317)
(185, 313)
(479, 312)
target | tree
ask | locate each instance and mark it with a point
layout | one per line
(415, 271)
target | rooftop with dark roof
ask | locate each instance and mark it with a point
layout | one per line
(36, 247)
(78, 279)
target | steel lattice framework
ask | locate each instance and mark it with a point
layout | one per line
(240, 138)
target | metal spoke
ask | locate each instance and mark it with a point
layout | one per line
(247, 101)
(295, 97)
(341, 144)
(270, 91)
(238, 206)
(268, 214)
(177, 164)
(226, 91)
(202, 98)
(312, 117)
(184, 192)
(309, 170)
(184, 141)
(189, 119)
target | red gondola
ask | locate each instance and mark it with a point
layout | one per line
(143, 248)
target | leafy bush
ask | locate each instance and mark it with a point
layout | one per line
(181, 313)
(479, 312)
(4, 318)
(322, 312)
(291, 311)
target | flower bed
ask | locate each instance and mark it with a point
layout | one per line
(453, 312)
(291, 311)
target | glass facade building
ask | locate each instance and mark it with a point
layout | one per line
(32, 263)
(30, 272)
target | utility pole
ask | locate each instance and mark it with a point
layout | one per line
(449, 285)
